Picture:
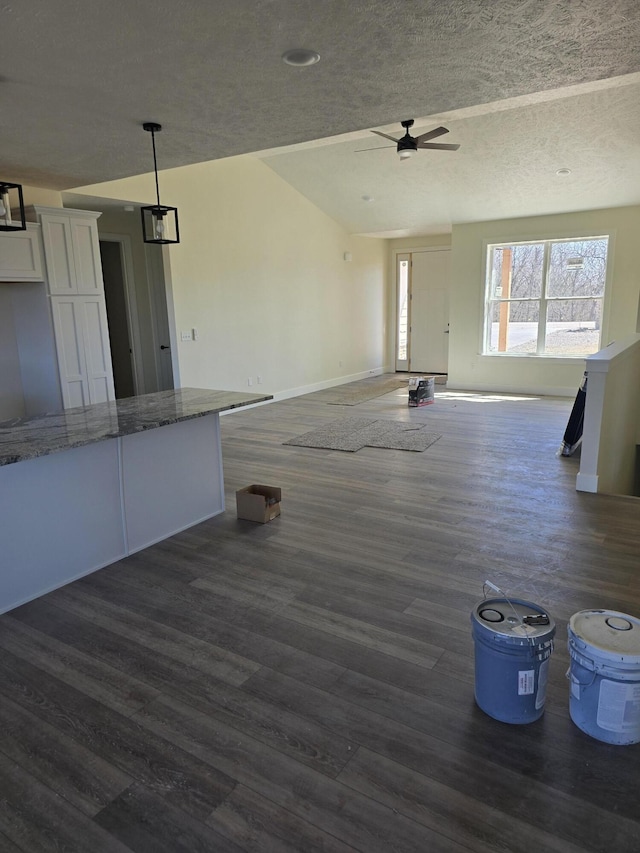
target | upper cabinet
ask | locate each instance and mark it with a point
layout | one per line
(71, 250)
(21, 255)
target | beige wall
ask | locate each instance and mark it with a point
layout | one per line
(427, 241)
(37, 195)
(260, 272)
(471, 370)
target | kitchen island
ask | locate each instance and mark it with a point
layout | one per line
(82, 488)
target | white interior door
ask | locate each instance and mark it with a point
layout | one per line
(429, 318)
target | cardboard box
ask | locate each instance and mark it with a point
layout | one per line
(258, 503)
(421, 390)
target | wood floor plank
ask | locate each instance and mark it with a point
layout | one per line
(261, 826)
(192, 655)
(36, 820)
(75, 773)
(146, 823)
(185, 781)
(77, 669)
(351, 818)
(459, 759)
(468, 821)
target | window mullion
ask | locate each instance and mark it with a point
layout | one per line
(542, 314)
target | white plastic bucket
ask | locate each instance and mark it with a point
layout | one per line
(605, 675)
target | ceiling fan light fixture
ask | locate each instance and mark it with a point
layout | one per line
(300, 57)
(405, 153)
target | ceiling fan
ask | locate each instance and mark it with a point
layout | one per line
(407, 144)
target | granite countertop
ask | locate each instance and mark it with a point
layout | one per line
(27, 438)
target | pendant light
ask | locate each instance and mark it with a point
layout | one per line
(7, 221)
(159, 222)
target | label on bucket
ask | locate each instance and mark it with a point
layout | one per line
(526, 682)
(619, 706)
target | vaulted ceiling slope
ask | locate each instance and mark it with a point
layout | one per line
(78, 78)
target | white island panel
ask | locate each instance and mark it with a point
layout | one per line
(172, 479)
(60, 518)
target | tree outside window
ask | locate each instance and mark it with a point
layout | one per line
(545, 298)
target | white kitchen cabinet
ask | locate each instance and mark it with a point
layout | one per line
(71, 250)
(82, 345)
(62, 323)
(21, 255)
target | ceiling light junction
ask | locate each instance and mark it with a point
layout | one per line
(300, 57)
(159, 222)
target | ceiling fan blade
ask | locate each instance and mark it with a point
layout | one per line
(386, 135)
(377, 148)
(431, 134)
(438, 145)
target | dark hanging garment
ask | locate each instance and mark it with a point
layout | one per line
(573, 434)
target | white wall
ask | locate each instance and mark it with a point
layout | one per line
(260, 272)
(471, 370)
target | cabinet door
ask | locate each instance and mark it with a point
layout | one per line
(21, 256)
(58, 250)
(97, 349)
(86, 254)
(84, 355)
(69, 339)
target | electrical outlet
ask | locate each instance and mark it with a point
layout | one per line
(186, 336)
(259, 378)
(249, 381)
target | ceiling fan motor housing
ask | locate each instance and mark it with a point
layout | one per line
(407, 143)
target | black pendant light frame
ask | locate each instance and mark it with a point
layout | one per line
(158, 218)
(8, 223)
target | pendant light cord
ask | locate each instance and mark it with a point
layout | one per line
(155, 165)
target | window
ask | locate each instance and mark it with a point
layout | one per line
(545, 298)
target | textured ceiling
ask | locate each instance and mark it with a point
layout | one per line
(78, 78)
(506, 166)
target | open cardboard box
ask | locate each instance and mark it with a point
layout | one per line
(258, 503)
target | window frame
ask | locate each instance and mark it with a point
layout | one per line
(544, 300)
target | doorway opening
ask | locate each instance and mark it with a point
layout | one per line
(422, 311)
(121, 315)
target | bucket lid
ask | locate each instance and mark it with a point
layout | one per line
(513, 618)
(615, 636)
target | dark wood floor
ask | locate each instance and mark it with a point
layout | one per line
(307, 685)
